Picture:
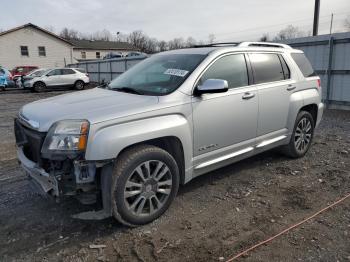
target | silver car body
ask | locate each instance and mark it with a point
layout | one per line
(55, 78)
(214, 129)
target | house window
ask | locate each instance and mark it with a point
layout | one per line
(42, 50)
(24, 50)
(98, 55)
(83, 54)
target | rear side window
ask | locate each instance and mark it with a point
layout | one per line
(67, 71)
(266, 67)
(303, 64)
(81, 70)
(231, 68)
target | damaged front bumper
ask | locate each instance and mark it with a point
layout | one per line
(43, 181)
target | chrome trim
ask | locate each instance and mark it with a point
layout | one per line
(222, 158)
(270, 141)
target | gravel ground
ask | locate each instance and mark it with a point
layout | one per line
(213, 217)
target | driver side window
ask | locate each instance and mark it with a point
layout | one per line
(55, 72)
(231, 68)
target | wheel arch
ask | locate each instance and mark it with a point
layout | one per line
(172, 145)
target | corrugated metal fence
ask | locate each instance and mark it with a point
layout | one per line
(330, 57)
(105, 70)
(328, 54)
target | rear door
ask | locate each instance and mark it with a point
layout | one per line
(69, 76)
(54, 78)
(274, 85)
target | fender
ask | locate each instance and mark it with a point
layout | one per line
(296, 102)
(107, 141)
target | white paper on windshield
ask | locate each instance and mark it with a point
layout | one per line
(176, 72)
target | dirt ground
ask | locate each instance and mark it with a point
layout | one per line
(213, 217)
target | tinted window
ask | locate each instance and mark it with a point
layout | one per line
(67, 71)
(266, 67)
(304, 64)
(231, 68)
(285, 68)
(55, 72)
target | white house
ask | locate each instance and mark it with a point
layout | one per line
(97, 49)
(35, 46)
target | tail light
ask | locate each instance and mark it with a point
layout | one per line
(87, 74)
(319, 83)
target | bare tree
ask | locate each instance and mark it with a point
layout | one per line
(190, 41)
(162, 46)
(289, 32)
(264, 38)
(69, 34)
(176, 43)
(211, 38)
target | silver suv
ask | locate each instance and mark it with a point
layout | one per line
(167, 120)
(57, 78)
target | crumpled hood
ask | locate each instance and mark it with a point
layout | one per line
(95, 105)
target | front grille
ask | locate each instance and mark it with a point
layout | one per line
(31, 140)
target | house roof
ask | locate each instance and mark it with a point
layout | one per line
(101, 45)
(36, 27)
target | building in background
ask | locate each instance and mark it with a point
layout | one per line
(32, 45)
(97, 49)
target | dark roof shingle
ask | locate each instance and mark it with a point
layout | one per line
(101, 45)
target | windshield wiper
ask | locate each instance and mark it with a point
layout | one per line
(128, 90)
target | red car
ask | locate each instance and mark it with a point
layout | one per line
(21, 71)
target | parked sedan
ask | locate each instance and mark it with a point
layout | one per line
(57, 79)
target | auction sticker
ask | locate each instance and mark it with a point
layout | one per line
(176, 72)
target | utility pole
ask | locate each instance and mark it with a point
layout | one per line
(331, 26)
(316, 17)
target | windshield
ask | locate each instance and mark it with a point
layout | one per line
(157, 75)
(38, 72)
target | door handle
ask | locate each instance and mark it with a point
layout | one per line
(291, 87)
(248, 95)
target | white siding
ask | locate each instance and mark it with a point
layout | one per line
(91, 54)
(57, 51)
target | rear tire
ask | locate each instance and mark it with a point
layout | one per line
(39, 87)
(302, 136)
(145, 181)
(79, 85)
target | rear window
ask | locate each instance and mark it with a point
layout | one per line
(266, 67)
(303, 64)
(81, 70)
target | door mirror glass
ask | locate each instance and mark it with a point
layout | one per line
(212, 86)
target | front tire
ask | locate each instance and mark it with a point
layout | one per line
(302, 135)
(145, 182)
(39, 87)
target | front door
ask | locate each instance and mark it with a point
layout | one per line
(54, 78)
(225, 124)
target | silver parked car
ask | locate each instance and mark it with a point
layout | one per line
(57, 78)
(172, 117)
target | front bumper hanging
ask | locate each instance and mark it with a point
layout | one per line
(46, 182)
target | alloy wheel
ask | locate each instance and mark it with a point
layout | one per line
(303, 134)
(148, 188)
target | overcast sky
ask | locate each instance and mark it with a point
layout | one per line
(226, 19)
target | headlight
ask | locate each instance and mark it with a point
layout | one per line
(67, 135)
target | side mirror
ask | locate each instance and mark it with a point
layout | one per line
(212, 86)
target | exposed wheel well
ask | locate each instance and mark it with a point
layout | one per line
(312, 109)
(173, 146)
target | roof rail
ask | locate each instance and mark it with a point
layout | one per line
(264, 44)
(218, 44)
